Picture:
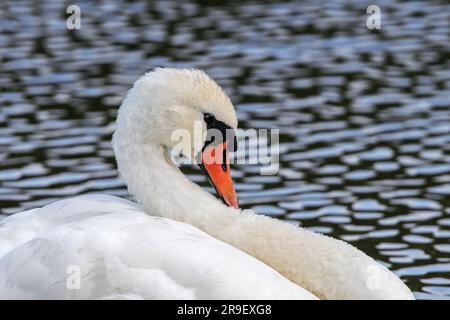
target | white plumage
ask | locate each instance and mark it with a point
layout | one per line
(123, 252)
(180, 242)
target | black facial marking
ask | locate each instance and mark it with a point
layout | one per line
(217, 133)
(224, 160)
(209, 119)
(227, 133)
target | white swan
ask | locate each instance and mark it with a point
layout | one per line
(180, 242)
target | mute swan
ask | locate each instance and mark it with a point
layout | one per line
(180, 242)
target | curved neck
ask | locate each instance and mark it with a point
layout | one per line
(326, 267)
(163, 190)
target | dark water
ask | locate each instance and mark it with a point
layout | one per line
(364, 115)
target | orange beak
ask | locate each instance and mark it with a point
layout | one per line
(216, 164)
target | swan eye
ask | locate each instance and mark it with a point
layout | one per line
(209, 118)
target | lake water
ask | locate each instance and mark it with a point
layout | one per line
(364, 115)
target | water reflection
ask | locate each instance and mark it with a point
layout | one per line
(364, 116)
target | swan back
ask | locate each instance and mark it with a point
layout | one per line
(327, 267)
(122, 252)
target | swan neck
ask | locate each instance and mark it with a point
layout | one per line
(163, 190)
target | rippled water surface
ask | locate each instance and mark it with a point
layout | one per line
(364, 116)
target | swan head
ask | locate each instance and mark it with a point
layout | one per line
(185, 110)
